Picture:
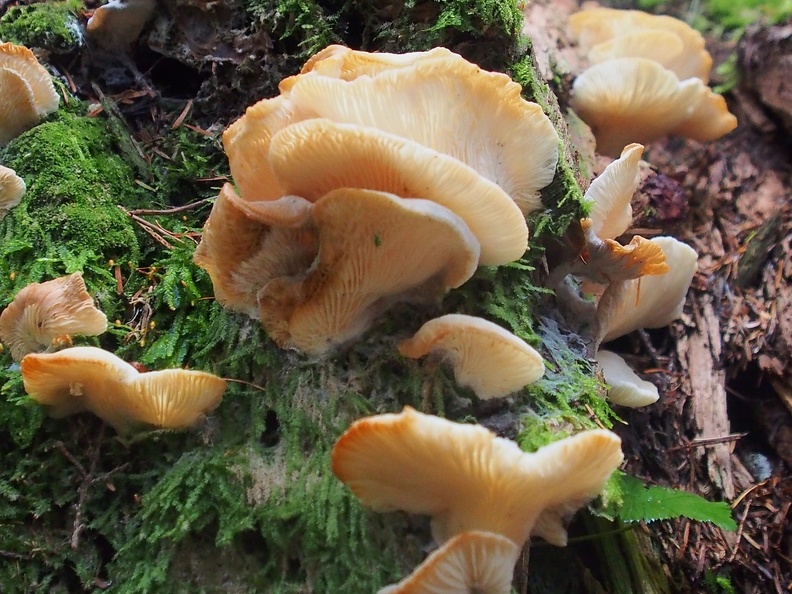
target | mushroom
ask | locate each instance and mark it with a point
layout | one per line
(611, 192)
(606, 260)
(486, 358)
(467, 479)
(12, 188)
(679, 47)
(637, 100)
(338, 61)
(374, 249)
(651, 302)
(44, 312)
(624, 386)
(242, 253)
(26, 91)
(314, 157)
(117, 24)
(88, 378)
(470, 563)
(246, 143)
(453, 107)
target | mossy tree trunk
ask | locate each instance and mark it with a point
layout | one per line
(247, 502)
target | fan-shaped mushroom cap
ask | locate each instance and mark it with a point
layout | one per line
(242, 254)
(453, 107)
(316, 156)
(637, 100)
(12, 188)
(652, 301)
(246, 143)
(17, 110)
(466, 478)
(21, 60)
(374, 249)
(42, 312)
(624, 385)
(601, 25)
(610, 194)
(88, 378)
(660, 46)
(490, 360)
(470, 563)
(174, 398)
(338, 61)
(117, 24)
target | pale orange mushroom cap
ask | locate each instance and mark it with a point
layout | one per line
(469, 563)
(242, 254)
(630, 100)
(12, 188)
(468, 479)
(338, 61)
(651, 301)
(117, 24)
(610, 194)
(453, 107)
(686, 56)
(91, 379)
(174, 398)
(246, 143)
(314, 157)
(26, 91)
(78, 379)
(374, 249)
(490, 360)
(42, 312)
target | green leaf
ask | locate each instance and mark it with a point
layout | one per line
(640, 502)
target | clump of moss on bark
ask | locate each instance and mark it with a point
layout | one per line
(75, 183)
(48, 25)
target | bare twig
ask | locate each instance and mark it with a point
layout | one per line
(167, 211)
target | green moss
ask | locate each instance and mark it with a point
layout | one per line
(49, 25)
(75, 184)
(308, 26)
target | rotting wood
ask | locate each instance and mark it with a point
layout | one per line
(700, 353)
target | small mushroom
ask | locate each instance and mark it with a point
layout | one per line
(44, 312)
(468, 479)
(611, 192)
(91, 379)
(606, 260)
(637, 100)
(374, 249)
(12, 188)
(117, 24)
(652, 301)
(624, 386)
(314, 157)
(490, 360)
(26, 91)
(469, 563)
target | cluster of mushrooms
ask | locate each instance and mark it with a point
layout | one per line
(379, 178)
(26, 95)
(44, 317)
(374, 179)
(647, 79)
